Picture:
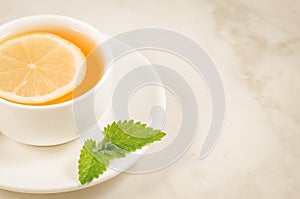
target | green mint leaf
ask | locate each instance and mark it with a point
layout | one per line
(120, 138)
(89, 165)
(131, 136)
(107, 148)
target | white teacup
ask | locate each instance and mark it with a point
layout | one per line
(48, 125)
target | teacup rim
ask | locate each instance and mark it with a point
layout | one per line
(71, 19)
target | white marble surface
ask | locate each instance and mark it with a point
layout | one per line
(256, 47)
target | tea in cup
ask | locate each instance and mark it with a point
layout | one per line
(48, 63)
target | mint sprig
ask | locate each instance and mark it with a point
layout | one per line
(120, 139)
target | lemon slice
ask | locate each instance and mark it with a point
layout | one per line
(39, 67)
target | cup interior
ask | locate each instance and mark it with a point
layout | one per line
(70, 27)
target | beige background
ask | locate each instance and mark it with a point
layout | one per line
(256, 47)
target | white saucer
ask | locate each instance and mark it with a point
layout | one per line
(31, 169)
